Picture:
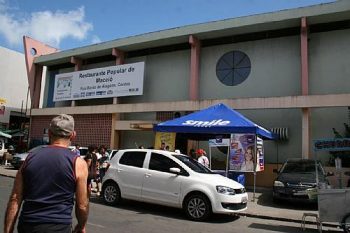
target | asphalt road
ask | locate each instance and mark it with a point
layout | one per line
(139, 217)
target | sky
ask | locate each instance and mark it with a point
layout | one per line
(67, 24)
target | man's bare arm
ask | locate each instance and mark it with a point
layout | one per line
(82, 200)
(14, 203)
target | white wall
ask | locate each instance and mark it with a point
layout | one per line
(329, 60)
(275, 69)
(13, 82)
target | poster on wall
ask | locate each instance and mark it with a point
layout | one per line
(2, 106)
(112, 81)
(245, 156)
(167, 139)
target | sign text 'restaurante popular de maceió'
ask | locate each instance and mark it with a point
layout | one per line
(112, 81)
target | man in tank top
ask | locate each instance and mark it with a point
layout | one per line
(46, 183)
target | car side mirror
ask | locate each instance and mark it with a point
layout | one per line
(175, 170)
(275, 171)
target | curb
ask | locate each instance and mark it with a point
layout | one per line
(285, 219)
(10, 176)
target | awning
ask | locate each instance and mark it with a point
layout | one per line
(217, 119)
(5, 135)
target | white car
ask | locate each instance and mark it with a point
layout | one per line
(171, 179)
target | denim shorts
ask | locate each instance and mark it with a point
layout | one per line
(44, 228)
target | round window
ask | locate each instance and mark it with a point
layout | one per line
(233, 68)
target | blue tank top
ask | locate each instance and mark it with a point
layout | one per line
(49, 186)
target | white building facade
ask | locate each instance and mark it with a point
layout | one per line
(13, 87)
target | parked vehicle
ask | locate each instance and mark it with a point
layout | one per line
(83, 150)
(171, 179)
(18, 159)
(296, 180)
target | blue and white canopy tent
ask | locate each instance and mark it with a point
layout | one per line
(215, 120)
(218, 120)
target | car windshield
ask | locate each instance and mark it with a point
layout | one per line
(193, 164)
(300, 167)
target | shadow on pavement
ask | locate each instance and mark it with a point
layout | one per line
(164, 211)
(265, 199)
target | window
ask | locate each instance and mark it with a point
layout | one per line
(133, 158)
(113, 153)
(233, 68)
(193, 164)
(161, 163)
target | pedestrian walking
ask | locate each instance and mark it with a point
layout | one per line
(76, 149)
(92, 162)
(103, 164)
(46, 183)
(202, 158)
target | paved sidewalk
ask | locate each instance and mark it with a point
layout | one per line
(261, 207)
(7, 171)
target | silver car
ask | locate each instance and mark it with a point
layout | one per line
(18, 159)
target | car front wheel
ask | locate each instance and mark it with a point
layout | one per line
(197, 207)
(111, 193)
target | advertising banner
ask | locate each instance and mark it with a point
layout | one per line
(218, 153)
(245, 155)
(167, 138)
(112, 81)
(260, 154)
(219, 142)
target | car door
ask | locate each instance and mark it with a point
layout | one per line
(159, 185)
(130, 173)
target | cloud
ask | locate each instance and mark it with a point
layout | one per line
(46, 26)
(95, 39)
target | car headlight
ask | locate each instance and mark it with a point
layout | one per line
(225, 190)
(278, 184)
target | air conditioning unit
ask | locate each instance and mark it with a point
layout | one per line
(281, 133)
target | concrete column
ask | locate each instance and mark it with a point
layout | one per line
(33, 49)
(37, 86)
(305, 88)
(119, 60)
(77, 66)
(115, 134)
(305, 137)
(304, 57)
(195, 65)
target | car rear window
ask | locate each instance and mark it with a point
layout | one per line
(133, 158)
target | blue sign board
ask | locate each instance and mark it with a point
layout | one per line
(333, 144)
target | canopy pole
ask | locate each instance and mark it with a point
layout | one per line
(255, 163)
(227, 160)
(254, 186)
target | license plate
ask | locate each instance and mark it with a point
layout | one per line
(244, 200)
(300, 193)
